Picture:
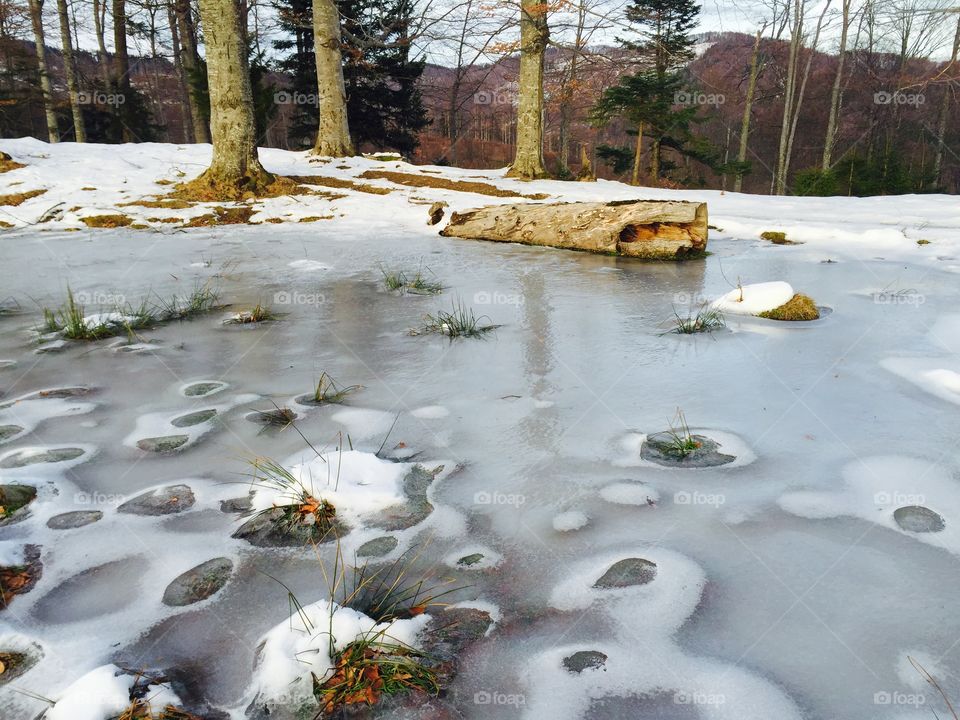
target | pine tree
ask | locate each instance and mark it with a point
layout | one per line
(653, 99)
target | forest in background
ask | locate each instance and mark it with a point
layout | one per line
(755, 111)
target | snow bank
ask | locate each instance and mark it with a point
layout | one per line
(754, 299)
(570, 521)
(104, 693)
(357, 483)
(301, 645)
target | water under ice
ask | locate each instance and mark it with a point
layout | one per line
(783, 588)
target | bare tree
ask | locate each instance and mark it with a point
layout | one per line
(70, 70)
(534, 35)
(945, 108)
(235, 170)
(36, 19)
(333, 131)
(748, 107)
(190, 59)
(829, 139)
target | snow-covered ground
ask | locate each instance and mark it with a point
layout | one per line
(789, 583)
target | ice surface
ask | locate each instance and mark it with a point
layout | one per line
(812, 594)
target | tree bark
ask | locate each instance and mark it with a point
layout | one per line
(121, 66)
(528, 162)
(36, 19)
(190, 61)
(638, 152)
(333, 131)
(780, 179)
(186, 116)
(829, 138)
(235, 170)
(748, 109)
(945, 110)
(70, 70)
(667, 230)
(103, 60)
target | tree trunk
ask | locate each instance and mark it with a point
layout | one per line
(103, 60)
(655, 161)
(748, 109)
(333, 131)
(827, 160)
(70, 70)
(945, 110)
(185, 114)
(191, 62)
(534, 33)
(121, 66)
(36, 19)
(780, 177)
(235, 170)
(667, 230)
(638, 152)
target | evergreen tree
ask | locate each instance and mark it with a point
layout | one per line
(384, 106)
(653, 99)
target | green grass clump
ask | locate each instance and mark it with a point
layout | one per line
(419, 284)
(682, 443)
(707, 319)
(799, 307)
(298, 505)
(459, 322)
(259, 313)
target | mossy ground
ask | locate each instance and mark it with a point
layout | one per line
(442, 183)
(14, 199)
(107, 221)
(799, 307)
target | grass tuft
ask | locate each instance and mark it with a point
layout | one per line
(259, 313)
(460, 322)
(299, 507)
(682, 443)
(419, 284)
(706, 320)
(327, 391)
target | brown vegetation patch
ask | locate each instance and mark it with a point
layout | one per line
(209, 189)
(5, 225)
(107, 221)
(442, 183)
(223, 216)
(799, 307)
(315, 218)
(15, 199)
(163, 181)
(340, 183)
(88, 189)
(7, 163)
(163, 203)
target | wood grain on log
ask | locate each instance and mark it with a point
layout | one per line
(649, 229)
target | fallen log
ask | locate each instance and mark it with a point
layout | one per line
(648, 229)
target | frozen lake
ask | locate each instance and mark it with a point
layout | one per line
(784, 586)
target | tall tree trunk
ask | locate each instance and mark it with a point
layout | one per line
(185, 114)
(191, 62)
(827, 160)
(103, 60)
(333, 131)
(534, 34)
(70, 70)
(235, 170)
(780, 178)
(36, 19)
(121, 68)
(803, 89)
(637, 153)
(748, 109)
(945, 110)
